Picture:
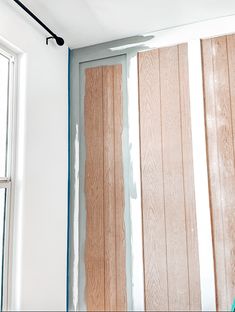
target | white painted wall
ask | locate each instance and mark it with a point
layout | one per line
(38, 268)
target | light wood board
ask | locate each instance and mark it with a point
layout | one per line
(171, 263)
(219, 90)
(104, 190)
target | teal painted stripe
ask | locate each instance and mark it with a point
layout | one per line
(68, 199)
(233, 306)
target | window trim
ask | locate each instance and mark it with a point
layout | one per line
(6, 182)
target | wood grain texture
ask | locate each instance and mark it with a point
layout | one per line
(109, 191)
(219, 79)
(119, 193)
(154, 239)
(105, 239)
(189, 196)
(94, 251)
(169, 222)
(173, 182)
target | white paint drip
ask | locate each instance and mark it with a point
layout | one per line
(76, 223)
(206, 260)
(135, 200)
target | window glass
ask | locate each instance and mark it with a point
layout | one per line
(4, 79)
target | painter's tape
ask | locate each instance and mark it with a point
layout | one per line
(233, 306)
(68, 191)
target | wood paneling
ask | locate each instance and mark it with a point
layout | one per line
(94, 253)
(109, 198)
(119, 194)
(219, 91)
(190, 213)
(171, 265)
(104, 190)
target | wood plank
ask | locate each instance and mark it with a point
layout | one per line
(171, 263)
(213, 165)
(191, 224)
(94, 249)
(109, 192)
(119, 193)
(223, 106)
(155, 262)
(177, 260)
(105, 249)
(230, 215)
(219, 104)
(225, 145)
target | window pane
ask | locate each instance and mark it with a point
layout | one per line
(2, 213)
(4, 78)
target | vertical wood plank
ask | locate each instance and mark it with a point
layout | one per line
(94, 251)
(225, 145)
(171, 262)
(105, 250)
(109, 192)
(219, 103)
(213, 165)
(191, 225)
(154, 241)
(177, 260)
(119, 192)
(230, 218)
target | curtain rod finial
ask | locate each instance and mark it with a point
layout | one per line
(59, 41)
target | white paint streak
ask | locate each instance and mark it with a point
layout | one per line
(76, 223)
(206, 260)
(127, 46)
(182, 34)
(135, 200)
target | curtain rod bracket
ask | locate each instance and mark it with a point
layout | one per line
(59, 40)
(48, 38)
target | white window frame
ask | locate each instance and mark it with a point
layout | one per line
(6, 181)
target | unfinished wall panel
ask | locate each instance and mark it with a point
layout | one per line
(219, 83)
(105, 262)
(171, 262)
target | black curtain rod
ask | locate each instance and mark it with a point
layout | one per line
(59, 40)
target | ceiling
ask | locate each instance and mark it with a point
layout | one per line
(87, 22)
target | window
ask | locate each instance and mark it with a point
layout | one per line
(6, 79)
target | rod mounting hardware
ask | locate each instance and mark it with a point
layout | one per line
(59, 41)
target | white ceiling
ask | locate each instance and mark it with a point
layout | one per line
(87, 22)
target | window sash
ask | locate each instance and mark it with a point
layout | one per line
(5, 182)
